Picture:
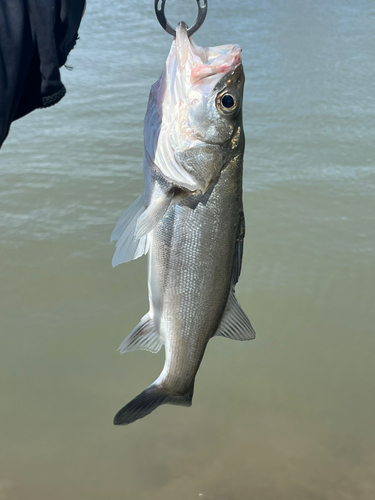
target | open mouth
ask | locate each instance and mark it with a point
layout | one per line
(202, 62)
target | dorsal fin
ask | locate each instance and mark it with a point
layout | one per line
(238, 251)
(234, 323)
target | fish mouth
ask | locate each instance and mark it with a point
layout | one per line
(222, 64)
(201, 62)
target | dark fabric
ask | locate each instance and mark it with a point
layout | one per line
(36, 37)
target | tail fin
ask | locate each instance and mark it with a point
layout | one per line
(147, 401)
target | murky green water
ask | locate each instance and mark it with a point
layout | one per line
(289, 416)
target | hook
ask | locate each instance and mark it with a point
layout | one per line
(202, 12)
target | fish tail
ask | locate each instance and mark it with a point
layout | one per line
(147, 401)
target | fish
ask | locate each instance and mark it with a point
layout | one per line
(190, 218)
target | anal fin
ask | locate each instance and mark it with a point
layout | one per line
(234, 323)
(143, 337)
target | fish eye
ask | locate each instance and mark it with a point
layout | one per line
(227, 101)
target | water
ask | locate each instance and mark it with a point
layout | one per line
(287, 416)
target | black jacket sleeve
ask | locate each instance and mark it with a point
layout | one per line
(36, 37)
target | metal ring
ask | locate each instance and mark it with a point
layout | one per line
(202, 12)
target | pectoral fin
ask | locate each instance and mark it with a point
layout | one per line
(143, 337)
(131, 231)
(153, 214)
(128, 246)
(234, 323)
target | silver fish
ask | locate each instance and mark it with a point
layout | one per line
(189, 219)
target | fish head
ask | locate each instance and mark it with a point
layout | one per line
(214, 102)
(199, 119)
